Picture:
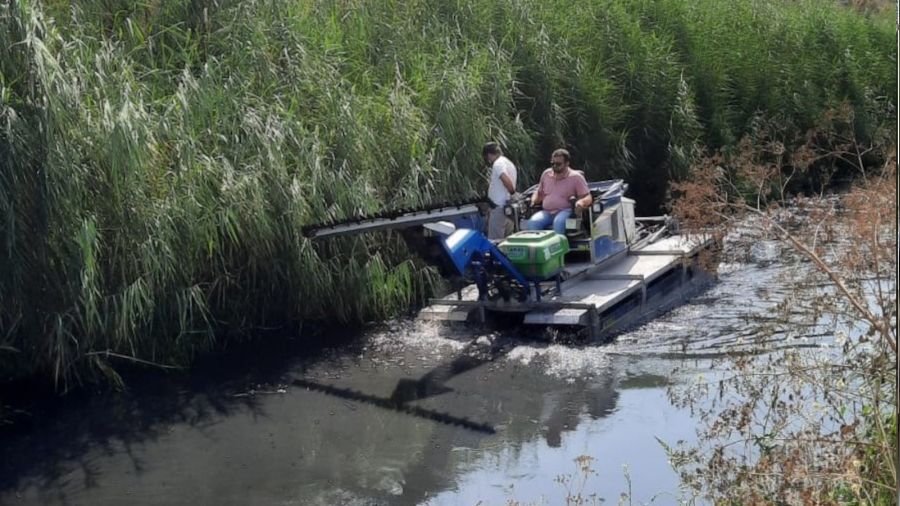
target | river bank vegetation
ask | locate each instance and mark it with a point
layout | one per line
(158, 159)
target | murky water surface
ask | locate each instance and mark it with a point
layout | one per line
(414, 414)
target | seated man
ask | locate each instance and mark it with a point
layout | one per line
(558, 184)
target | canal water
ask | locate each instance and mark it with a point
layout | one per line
(406, 413)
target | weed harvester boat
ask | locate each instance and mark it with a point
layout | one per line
(609, 270)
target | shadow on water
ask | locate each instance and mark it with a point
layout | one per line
(56, 434)
(520, 411)
(431, 384)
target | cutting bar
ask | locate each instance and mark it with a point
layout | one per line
(397, 220)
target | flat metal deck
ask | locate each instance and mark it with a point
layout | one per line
(588, 289)
(688, 245)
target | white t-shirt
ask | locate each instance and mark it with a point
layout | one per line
(496, 191)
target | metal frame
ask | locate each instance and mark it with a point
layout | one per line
(598, 321)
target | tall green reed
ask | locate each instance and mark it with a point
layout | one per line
(160, 158)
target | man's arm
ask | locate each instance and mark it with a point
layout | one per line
(583, 193)
(538, 196)
(507, 183)
(584, 202)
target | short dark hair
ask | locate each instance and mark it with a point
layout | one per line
(491, 148)
(561, 152)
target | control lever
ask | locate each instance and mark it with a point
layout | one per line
(574, 221)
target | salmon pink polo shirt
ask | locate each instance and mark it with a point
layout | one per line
(556, 192)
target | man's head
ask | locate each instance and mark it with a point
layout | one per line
(559, 160)
(490, 152)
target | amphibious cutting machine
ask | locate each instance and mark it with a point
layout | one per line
(609, 269)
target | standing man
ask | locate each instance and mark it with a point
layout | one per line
(558, 184)
(502, 185)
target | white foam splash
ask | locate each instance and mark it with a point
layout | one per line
(562, 361)
(434, 337)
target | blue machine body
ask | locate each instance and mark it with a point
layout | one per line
(471, 252)
(604, 247)
(611, 191)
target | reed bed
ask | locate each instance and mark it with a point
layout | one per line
(160, 158)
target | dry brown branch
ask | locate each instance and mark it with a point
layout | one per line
(883, 327)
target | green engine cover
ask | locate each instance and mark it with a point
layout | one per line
(538, 254)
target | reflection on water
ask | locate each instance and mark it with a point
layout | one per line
(417, 413)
